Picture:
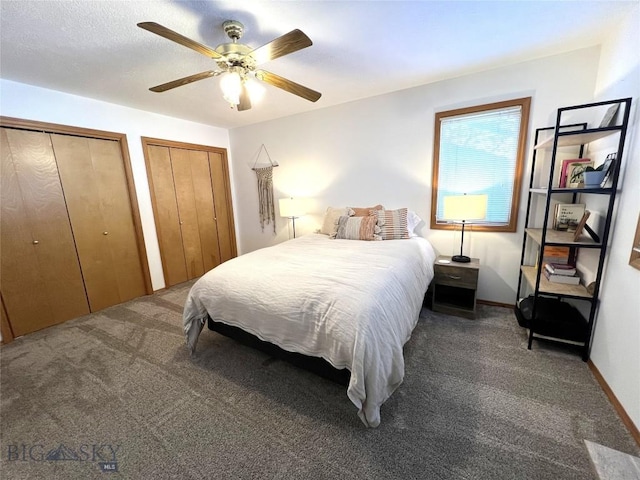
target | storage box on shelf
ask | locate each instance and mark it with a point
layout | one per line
(546, 311)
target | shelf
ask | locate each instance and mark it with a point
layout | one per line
(550, 288)
(597, 190)
(567, 139)
(554, 237)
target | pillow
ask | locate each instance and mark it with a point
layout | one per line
(358, 228)
(413, 220)
(365, 212)
(331, 216)
(392, 223)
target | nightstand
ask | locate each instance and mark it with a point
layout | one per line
(454, 287)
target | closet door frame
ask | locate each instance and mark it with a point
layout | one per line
(121, 138)
(147, 141)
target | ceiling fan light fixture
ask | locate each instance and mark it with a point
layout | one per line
(231, 85)
(256, 90)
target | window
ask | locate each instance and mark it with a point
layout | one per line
(480, 150)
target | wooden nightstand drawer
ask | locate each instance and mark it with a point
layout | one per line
(454, 287)
(456, 276)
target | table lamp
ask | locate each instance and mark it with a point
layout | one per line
(463, 209)
(292, 208)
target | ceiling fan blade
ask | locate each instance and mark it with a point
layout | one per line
(182, 40)
(184, 81)
(288, 85)
(245, 100)
(288, 43)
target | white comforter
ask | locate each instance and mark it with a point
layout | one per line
(353, 303)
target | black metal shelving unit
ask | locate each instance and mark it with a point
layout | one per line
(563, 323)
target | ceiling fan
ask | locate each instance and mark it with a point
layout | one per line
(238, 62)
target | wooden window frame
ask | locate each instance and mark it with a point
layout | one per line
(525, 104)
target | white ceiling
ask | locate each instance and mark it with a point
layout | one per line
(361, 48)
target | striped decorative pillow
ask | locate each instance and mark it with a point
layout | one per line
(358, 228)
(392, 223)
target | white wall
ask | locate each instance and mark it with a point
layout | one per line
(616, 343)
(380, 150)
(33, 103)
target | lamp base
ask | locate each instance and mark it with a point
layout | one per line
(460, 259)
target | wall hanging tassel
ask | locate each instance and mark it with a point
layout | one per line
(266, 204)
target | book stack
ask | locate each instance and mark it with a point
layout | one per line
(556, 255)
(561, 273)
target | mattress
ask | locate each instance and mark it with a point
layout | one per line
(353, 303)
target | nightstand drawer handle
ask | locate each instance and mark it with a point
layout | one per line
(454, 277)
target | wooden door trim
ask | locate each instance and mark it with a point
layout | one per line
(148, 141)
(121, 138)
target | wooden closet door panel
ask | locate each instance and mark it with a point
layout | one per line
(41, 282)
(20, 278)
(111, 179)
(222, 202)
(185, 196)
(204, 209)
(83, 203)
(166, 215)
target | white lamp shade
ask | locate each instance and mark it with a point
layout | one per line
(465, 207)
(291, 207)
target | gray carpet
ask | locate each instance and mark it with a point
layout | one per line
(118, 390)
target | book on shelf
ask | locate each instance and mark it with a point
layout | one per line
(571, 171)
(556, 255)
(567, 216)
(555, 278)
(560, 269)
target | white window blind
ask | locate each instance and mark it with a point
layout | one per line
(478, 155)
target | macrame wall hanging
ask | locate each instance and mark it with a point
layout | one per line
(266, 202)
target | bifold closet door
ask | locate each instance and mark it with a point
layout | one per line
(185, 208)
(166, 215)
(222, 202)
(95, 188)
(42, 283)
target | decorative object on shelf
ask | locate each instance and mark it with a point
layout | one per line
(593, 177)
(609, 116)
(608, 167)
(266, 206)
(292, 208)
(581, 225)
(463, 208)
(567, 167)
(575, 174)
(634, 258)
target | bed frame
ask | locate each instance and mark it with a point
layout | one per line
(317, 365)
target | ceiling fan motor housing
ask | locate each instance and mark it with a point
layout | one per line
(233, 29)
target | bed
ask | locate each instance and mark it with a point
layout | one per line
(352, 303)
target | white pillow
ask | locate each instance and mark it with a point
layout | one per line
(413, 220)
(331, 216)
